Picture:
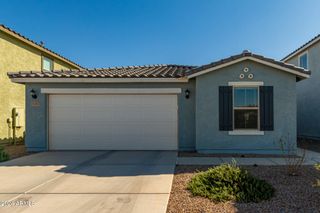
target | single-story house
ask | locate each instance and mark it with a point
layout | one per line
(242, 104)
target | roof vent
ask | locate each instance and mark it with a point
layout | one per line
(246, 51)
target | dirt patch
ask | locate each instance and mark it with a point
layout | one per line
(15, 151)
(293, 193)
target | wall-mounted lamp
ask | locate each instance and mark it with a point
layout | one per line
(33, 94)
(187, 93)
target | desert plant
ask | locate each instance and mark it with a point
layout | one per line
(3, 155)
(317, 167)
(293, 162)
(230, 182)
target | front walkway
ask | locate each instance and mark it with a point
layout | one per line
(311, 158)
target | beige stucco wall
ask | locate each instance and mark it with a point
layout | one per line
(17, 56)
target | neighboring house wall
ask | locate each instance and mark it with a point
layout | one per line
(15, 55)
(308, 100)
(36, 134)
(208, 136)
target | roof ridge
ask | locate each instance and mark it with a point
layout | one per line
(142, 66)
(39, 45)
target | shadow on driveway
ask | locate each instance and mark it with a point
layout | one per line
(101, 163)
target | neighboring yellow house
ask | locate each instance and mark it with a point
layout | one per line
(18, 53)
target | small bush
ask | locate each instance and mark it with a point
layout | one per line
(3, 155)
(229, 182)
(293, 163)
(317, 167)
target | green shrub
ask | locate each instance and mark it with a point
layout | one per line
(3, 155)
(317, 167)
(229, 182)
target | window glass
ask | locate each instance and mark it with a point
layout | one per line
(303, 61)
(246, 97)
(246, 107)
(246, 119)
(46, 64)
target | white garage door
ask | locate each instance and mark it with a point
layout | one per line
(113, 122)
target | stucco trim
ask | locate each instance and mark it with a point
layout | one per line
(110, 91)
(246, 132)
(252, 59)
(98, 80)
(246, 83)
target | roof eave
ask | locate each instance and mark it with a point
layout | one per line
(33, 44)
(292, 71)
(23, 80)
(301, 49)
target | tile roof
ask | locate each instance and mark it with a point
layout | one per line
(147, 71)
(248, 54)
(314, 39)
(21, 37)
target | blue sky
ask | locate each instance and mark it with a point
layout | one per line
(138, 32)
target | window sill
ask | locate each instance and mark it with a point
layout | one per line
(246, 132)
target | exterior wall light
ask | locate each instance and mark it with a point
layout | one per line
(187, 93)
(33, 94)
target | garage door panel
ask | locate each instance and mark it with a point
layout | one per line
(119, 129)
(66, 114)
(113, 122)
(124, 144)
(65, 100)
(127, 114)
(126, 100)
(66, 139)
(80, 144)
(159, 101)
(65, 128)
(97, 115)
(97, 128)
(159, 116)
(97, 101)
(159, 129)
(67, 142)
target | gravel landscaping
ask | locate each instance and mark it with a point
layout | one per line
(293, 193)
(15, 151)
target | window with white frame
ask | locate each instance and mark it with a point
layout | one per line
(303, 60)
(246, 108)
(47, 64)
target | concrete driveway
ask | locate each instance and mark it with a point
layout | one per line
(88, 181)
